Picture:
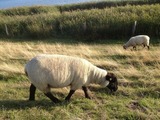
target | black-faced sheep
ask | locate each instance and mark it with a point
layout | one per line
(57, 71)
(137, 40)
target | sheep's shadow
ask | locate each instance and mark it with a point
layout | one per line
(44, 103)
(23, 104)
(97, 89)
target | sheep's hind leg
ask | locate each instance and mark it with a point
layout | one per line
(54, 99)
(32, 92)
(69, 95)
(86, 92)
(144, 45)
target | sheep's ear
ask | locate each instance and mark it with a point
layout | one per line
(109, 76)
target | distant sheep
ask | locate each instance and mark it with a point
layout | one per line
(137, 40)
(57, 71)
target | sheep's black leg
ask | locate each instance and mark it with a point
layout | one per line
(32, 92)
(144, 45)
(50, 96)
(69, 95)
(134, 47)
(86, 92)
(148, 47)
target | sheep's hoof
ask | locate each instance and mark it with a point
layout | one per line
(31, 99)
(67, 100)
(89, 97)
(57, 101)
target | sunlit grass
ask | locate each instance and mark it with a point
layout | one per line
(138, 71)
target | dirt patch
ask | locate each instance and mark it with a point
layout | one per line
(135, 105)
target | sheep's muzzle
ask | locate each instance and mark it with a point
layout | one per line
(113, 85)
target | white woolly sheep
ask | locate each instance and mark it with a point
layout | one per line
(137, 40)
(57, 71)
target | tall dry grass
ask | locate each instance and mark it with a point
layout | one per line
(14, 55)
(137, 71)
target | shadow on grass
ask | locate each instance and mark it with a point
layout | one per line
(71, 40)
(102, 90)
(48, 104)
(47, 40)
(11, 76)
(120, 57)
(26, 104)
(153, 93)
(65, 40)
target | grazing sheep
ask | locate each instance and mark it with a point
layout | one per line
(57, 71)
(137, 40)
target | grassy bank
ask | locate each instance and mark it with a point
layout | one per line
(106, 3)
(90, 24)
(138, 96)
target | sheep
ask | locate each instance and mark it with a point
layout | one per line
(137, 40)
(48, 71)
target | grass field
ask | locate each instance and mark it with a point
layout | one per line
(84, 23)
(138, 72)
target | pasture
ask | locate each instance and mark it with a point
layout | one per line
(138, 72)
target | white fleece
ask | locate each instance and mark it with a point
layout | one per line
(59, 71)
(138, 40)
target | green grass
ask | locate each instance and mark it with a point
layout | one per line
(91, 24)
(138, 96)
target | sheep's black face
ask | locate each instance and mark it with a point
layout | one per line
(113, 83)
(124, 47)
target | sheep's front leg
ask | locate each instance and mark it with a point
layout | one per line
(86, 92)
(134, 47)
(69, 95)
(54, 99)
(32, 92)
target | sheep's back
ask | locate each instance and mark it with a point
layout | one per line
(140, 39)
(57, 70)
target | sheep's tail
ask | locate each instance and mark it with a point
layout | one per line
(25, 70)
(148, 41)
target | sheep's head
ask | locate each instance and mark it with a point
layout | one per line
(113, 83)
(124, 46)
